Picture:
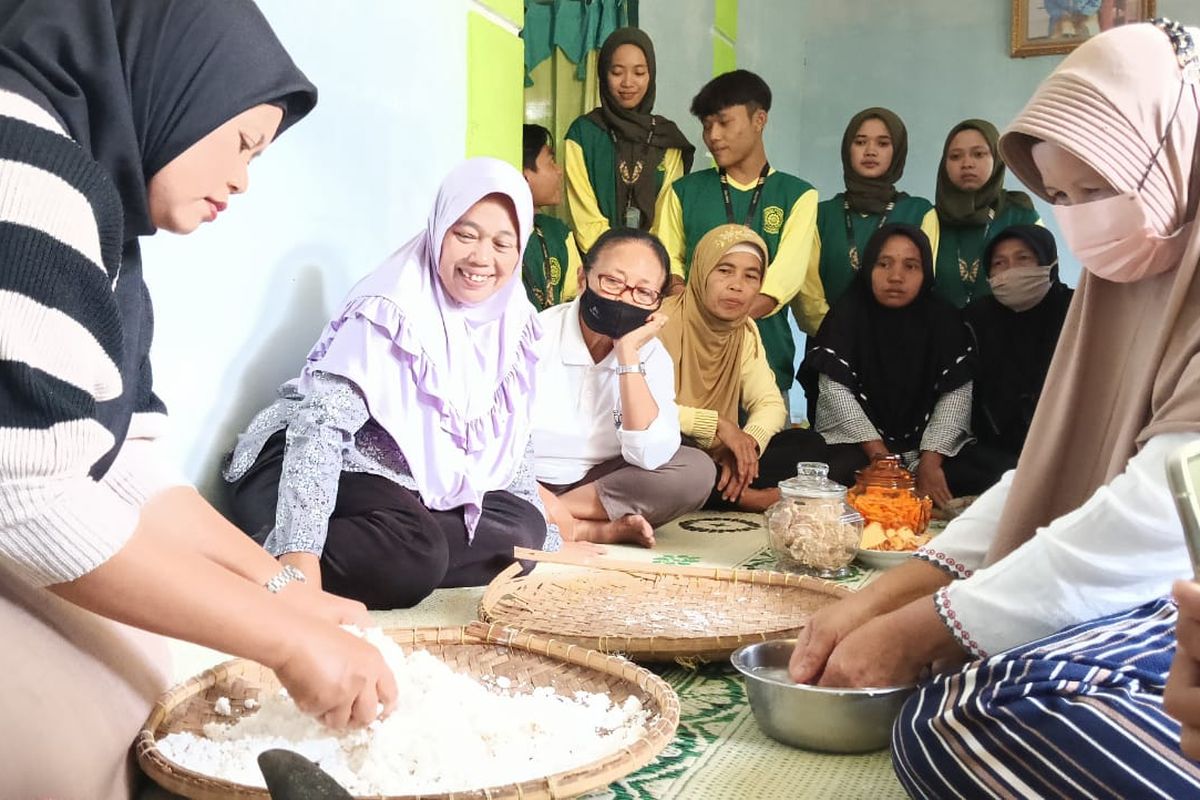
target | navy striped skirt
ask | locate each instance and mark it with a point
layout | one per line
(1075, 715)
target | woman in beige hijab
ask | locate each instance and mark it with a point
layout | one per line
(1053, 585)
(729, 403)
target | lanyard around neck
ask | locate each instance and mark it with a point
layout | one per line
(852, 246)
(629, 177)
(547, 272)
(754, 198)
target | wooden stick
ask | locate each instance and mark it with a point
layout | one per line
(716, 573)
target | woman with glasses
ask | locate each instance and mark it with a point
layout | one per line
(606, 428)
(729, 403)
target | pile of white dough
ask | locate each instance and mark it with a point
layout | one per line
(448, 733)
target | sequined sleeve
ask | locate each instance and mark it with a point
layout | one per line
(318, 435)
(524, 486)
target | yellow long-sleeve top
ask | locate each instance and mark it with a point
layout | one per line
(574, 265)
(792, 275)
(766, 415)
(587, 220)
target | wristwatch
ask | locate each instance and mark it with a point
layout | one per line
(283, 578)
(627, 369)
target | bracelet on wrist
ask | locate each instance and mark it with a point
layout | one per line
(282, 578)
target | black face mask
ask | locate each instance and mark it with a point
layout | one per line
(610, 317)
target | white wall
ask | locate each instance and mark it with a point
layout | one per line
(239, 302)
(682, 34)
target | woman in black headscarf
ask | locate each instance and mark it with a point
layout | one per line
(890, 369)
(620, 157)
(118, 117)
(1015, 330)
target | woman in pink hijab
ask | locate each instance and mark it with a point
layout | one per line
(1044, 608)
(399, 461)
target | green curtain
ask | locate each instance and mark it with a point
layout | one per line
(576, 27)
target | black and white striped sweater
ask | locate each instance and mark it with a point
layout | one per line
(77, 414)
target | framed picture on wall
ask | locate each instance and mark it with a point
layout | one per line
(1048, 27)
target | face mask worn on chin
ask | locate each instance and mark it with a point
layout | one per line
(1021, 288)
(1113, 239)
(610, 318)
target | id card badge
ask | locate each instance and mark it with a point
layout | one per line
(633, 217)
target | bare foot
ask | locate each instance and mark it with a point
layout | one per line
(629, 529)
(757, 499)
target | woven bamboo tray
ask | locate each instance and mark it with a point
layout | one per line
(652, 612)
(478, 650)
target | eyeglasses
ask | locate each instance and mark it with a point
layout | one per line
(617, 287)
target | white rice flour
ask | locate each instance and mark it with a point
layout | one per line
(447, 733)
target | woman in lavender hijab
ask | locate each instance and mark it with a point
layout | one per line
(399, 461)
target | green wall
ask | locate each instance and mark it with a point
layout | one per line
(495, 79)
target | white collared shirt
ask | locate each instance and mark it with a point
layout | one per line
(577, 409)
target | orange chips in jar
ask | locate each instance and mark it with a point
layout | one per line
(895, 515)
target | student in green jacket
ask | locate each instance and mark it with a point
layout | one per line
(551, 265)
(874, 148)
(744, 189)
(972, 206)
(620, 157)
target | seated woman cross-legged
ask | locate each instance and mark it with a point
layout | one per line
(400, 461)
(722, 375)
(890, 369)
(606, 428)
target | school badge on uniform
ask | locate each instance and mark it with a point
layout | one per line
(772, 219)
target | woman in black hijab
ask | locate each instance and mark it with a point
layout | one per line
(1015, 330)
(118, 117)
(890, 369)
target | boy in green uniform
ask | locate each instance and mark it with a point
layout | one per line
(744, 189)
(552, 260)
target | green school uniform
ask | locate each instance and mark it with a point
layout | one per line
(959, 274)
(835, 270)
(544, 272)
(599, 158)
(703, 206)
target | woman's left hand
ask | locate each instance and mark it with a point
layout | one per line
(732, 476)
(893, 649)
(627, 346)
(931, 478)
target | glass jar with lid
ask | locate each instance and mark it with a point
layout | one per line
(812, 529)
(886, 495)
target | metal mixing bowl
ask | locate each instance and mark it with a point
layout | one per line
(813, 717)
